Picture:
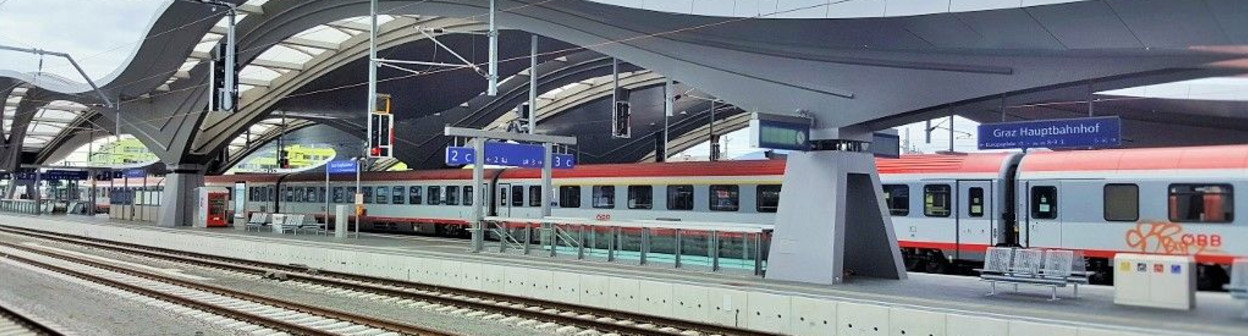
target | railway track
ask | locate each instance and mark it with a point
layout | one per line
(266, 315)
(14, 323)
(562, 317)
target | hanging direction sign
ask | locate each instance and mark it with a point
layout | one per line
(54, 174)
(509, 154)
(341, 167)
(1081, 132)
(135, 173)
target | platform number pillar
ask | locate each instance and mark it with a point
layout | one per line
(381, 129)
(478, 207)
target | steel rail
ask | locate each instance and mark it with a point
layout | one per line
(31, 324)
(417, 291)
(264, 300)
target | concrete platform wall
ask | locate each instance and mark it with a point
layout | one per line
(773, 312)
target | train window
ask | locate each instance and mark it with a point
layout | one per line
(1044, 202)
(414, 195)
(1122, 202)
(517, 196)
(398, 196)
(975, 204)
(349, 196)
(535, 196)
(604, 197)
(270, 194)
(936, 200)
(680, 197)
(368, 194)
(452, 195)
(289, 195)
(767, 197)
(299, 194)
(570, 196)
(251, 194)
(320, 195)
(435, 195)
(725, 197)
(311, 195)
(897, 197)
(383, 195)
(640, 197)
(1210, 203)
(338, 195)
(468, 195)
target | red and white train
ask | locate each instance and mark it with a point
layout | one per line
(946, 209)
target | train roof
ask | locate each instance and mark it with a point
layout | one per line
(944, 163)
(909, 164)
(1175, 158)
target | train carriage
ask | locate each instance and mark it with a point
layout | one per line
(946, 209)
(1165, 201)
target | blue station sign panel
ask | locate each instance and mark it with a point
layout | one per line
(53, 174)
(509, 154)
(341, 167)
(135, 173)
(1081, 132)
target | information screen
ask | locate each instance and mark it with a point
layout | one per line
(780, 132)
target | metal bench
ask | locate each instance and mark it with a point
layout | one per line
(1238, 288)
(290, 222)
(1052, 268)
(310, 224)
(258, 221)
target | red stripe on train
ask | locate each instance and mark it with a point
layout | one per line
(1221, 259)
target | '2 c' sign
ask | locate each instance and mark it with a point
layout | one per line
(508, 154)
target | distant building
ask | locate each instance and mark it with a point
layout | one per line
(300, 157)
(124, 151)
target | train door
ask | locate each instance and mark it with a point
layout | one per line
(501, 200)
(1044, 224)
(975, 220)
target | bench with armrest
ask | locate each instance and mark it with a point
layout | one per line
(290, 222)
(307, 223)
(1052, 268)
(1238, 288)
(258, 220)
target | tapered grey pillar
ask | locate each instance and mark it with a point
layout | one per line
(177, 204)
(832, 220)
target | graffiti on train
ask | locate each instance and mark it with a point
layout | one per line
(1170, 238)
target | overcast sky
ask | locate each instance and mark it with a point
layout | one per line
(99, 34)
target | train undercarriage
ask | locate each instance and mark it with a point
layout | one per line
(1209, 277)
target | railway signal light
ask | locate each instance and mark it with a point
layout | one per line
(223, 91)
(381, 129)
(621, 116)
(283, 159)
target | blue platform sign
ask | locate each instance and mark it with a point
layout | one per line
(1081, 132)
(509, 154)
(341, 167)
(53, 174)
(135, 173)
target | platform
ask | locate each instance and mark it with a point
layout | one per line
(925, 304)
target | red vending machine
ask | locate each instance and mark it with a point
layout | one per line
(214, 209)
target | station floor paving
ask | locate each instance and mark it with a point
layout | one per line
(1216, 313)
